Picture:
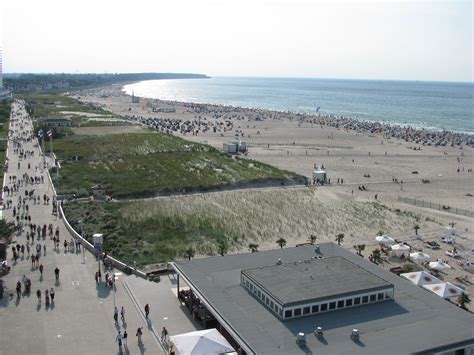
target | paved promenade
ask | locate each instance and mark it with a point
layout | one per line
(81, 319)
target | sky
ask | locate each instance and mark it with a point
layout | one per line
(398, 40)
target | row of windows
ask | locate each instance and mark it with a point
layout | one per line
(290, 313)
(263, 297)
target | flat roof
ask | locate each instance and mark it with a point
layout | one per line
(415, 321)
(312, 280)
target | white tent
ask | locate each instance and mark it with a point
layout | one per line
(400, 248)
(421, 278)
(438, 265)
(202, 342)
(444, 289)
(419, 256)
(385, 239)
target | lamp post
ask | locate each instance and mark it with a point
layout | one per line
(83, 247)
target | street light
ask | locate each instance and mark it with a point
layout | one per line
(83, 246)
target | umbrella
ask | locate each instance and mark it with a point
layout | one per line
(421, 278)
(208, 341)
(438, 265)
(385, 239)
(419, 256)
(400, 248)
(444, 289)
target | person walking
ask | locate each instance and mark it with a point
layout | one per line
(122, 313)
(56, 273)
(147, 310)
(38, 294)
(116, 315)
(139, 335)
(46, 297)
(18, 289)
(164, 334)
(41, 269)
(51, 293)
(125, 337)
(118, 339)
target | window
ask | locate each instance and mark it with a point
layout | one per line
(247, 283)
(332, 305)
(373, 298)
(349, 302)
(267, 300)
(288, 314)
(324, 307)
(306, 310)
(380, 296)
(271, 304)
(280, 311)
(387, 295)
(259, 293)
(357, 300)
(297, 312)
(365, 299)
(340, 304)
(315, 309)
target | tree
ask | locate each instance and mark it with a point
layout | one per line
(281, 242)
(312, 239)
(339, 238)
(377, 255)
(463, 300)
(253, 247)
(416, 228)
(359, 248)
(222, 247)
(189, 253)
(7, 229)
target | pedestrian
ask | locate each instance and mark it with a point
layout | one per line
(18, 289)
(51, 293)
(38, 294)
(164, 334)
(46, 297)
(147, 310)
(122, 313)
(118, 339)
(139, 335)
(116, 315)
(33, 260)
(96, 276)
(56, 273)
(125, 336)
(41, 269)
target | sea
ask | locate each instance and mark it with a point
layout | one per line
(419, 104)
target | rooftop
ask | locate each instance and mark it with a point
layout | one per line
(416, 320)
(319, 279)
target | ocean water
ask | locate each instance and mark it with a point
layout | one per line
(431, 105)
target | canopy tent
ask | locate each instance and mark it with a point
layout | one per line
(438, 265)
(385, 239)
(421, 278)
(444, 289)
(201, 342)
(419, 256)
(400, 248)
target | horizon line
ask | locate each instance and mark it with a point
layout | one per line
(241, 76)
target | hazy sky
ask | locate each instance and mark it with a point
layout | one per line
(422, 40)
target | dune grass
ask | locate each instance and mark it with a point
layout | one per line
(160, 230)
(145, 164)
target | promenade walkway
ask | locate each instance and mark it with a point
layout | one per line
(81, 319)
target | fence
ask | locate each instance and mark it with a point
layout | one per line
(436, 206)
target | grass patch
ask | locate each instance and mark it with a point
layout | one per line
(155, 231)
(145, 164)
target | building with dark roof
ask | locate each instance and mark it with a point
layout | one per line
(406, 319)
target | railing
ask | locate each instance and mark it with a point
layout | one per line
(436, 206)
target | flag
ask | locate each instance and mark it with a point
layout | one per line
(49, 133)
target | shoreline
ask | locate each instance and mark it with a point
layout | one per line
(390, 125)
